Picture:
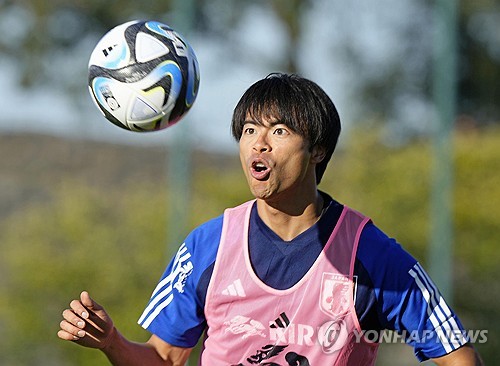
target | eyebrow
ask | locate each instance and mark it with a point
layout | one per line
(260, 123)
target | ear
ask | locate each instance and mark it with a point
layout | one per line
(318, 154)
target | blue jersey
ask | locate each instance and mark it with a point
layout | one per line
(392, 291)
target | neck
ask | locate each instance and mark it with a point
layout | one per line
(288, 218)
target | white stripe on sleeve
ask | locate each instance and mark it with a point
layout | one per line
(162, 295)
(449, 333)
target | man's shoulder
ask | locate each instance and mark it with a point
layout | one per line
(210, 226)
(206, 236)
(204, 240)
(385, 261)
(376, 246)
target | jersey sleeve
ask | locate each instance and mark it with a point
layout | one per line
(407, 300)
(174, 312)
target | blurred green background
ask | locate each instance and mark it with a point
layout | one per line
(79, 212)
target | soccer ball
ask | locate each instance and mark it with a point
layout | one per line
(143, 76)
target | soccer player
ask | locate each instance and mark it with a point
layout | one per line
(292, 277)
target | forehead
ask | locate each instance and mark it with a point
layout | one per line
(268, 118)
(260, 110)
(262, 120)
(272, 114)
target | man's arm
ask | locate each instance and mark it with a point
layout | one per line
(88, 325)
(122, 352)
(464, 356)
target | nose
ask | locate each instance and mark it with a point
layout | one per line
(262, 144)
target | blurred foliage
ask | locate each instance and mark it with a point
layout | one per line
(109, 239)
(84, 239)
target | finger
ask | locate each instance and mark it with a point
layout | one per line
(79, 308)
(67, 336)
(91, 336)
(88, 302)
(69, 329)
(74, 319)
(96, 315)
(93, 331)
(96, 325)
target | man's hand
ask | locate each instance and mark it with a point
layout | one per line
(86, 323)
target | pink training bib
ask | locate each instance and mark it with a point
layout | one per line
(312, 323)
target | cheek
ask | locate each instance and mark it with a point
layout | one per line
(297, 156)
(242, 150)
(294, 165)
(243, 163)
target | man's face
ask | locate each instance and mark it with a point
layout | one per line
(276, 161)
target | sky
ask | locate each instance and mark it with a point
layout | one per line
(260, 40)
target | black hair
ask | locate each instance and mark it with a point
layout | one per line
(299, 103)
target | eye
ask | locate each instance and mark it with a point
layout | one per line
(280, 131)
(248, 130)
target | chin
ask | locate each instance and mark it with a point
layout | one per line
(261, 194)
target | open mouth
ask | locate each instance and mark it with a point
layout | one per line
(260, 170)
(259, 167)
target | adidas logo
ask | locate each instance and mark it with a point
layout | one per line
(235, 289)
(107, 51)
(280, 322)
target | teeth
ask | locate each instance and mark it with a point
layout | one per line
(259, 166)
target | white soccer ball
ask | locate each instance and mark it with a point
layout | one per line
(143, 76)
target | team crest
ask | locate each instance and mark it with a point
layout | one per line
(335, 292)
